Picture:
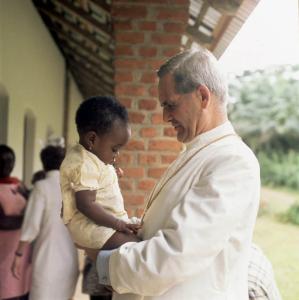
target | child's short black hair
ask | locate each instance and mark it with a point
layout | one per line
(98, 114)
(7, 160)
(52, 157)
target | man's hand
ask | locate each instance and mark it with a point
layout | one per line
(134, 227)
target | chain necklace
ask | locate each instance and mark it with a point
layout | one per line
(154, 194)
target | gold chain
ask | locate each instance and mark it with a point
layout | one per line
(154, 195)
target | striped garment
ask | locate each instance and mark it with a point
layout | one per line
(261, 280)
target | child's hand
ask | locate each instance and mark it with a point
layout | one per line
(119, 171)
(122, 226)
(134, 227)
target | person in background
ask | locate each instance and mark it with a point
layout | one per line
(38, 175)
(261, 280)
(12, 206)
(198, 222)
(54, 259)
(90, 282)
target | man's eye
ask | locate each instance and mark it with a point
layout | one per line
(169, 107)
(114, 150)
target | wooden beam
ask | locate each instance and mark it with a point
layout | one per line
(193, 32)
(94, 80)
(103, 68)
(226, 7)
(102, 4)
(91, 73)
(89, 57)
(85, 34)
(88, 89)
(220, 30)
(198, 36)
(202, 12)
(86, 74)
(85, 16)
(65, 36)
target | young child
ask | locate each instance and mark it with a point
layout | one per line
(93, 207)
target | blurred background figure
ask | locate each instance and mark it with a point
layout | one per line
(39, 175)
(54, 259)
(12, 206)
(90, 283)
(261, 280)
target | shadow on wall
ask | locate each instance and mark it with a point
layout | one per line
(29, 134)
(3, 114)
(28, 146)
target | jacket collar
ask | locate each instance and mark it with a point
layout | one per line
(208, 136)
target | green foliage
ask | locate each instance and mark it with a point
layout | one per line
(280, 169)
(265, 113)
(264, 109)
(292, 214)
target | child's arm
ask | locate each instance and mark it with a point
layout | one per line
(85, 201)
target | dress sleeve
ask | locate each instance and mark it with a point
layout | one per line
(197, 230)
(85, 176)
(33, 215)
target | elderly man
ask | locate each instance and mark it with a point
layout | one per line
(199, 219)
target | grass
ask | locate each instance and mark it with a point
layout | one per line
(280, 241)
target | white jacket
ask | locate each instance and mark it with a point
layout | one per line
(197, 232)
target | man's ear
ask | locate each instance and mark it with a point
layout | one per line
(204, 94)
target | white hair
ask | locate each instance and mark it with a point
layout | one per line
(192, 68)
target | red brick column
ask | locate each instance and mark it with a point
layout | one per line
(147, 32)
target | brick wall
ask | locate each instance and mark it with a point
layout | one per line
(147, 32)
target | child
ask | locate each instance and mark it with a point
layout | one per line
(93, 208)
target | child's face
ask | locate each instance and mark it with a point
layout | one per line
(106, 147)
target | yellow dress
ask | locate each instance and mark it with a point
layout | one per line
(81, 170)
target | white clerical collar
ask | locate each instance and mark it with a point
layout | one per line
(208, 136)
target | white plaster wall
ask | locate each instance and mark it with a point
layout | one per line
(75, 100)
(32, 71)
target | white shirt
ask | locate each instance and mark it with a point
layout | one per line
(197, 232)
(55, 261)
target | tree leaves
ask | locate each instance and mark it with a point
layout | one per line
(265, 110)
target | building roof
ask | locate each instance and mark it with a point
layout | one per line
(83, 31)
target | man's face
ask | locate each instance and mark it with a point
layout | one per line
(183, 111)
